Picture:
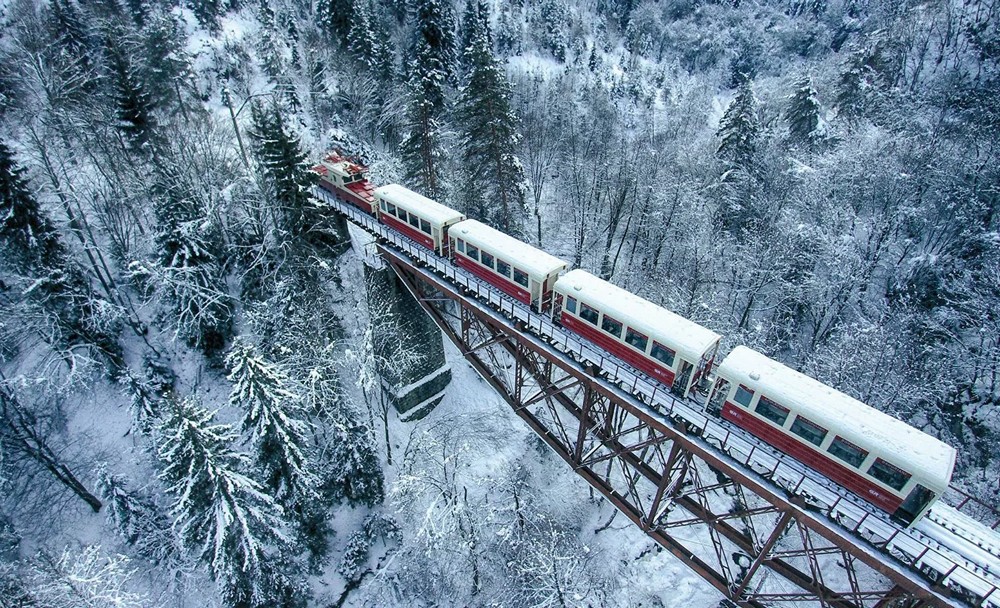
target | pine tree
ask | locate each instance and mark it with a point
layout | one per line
(803, 113)
(30, 238)
(366, 40)
(494, 186)
(475, 14)
(335, 17)
(188, 266)
(432, 49)
(273, 419)
(137, 518)
(133, 101)
(207, 12)
(167, 64)
(552, 17)
(225, 517)
(289, 181)
(739, 130)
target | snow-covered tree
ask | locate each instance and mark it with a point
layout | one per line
(739, 130)
(29, 238)
(223, 516)
(494, 184)
(274, 421)
(136, 518)
(803, 113)
(84, 579)
(551, 24)
(136, 118)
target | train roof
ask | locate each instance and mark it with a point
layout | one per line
(899, 443)
(426, 208)
(534, 261)
(690, 340)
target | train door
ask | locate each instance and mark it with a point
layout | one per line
(914, 504)
(683, 377)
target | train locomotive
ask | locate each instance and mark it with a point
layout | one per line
(900, 470)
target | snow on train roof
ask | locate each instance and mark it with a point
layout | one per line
(534, 261)
(906, 447)
(688, 338)
(426, 208)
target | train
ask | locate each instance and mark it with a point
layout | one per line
(893, 466)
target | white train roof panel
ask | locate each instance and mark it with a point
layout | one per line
(432, 211)
(899, 443)
(535, 262)
(690, 340)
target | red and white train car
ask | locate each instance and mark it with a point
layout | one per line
(888, 463)
(520, 270)
(675, 351)
(346, 180)
(418, 217)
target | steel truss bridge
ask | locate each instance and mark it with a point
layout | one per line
(755, 524)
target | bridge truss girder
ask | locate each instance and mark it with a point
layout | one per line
(755, 545)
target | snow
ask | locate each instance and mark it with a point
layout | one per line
(690, 340)
(908, 448)
(537, 263)
(432, 211)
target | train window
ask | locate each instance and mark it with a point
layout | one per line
(385, 207)
(425, 226)
(890, 475)
(743, 396)
(813, 433)
(503, 268)
(588, 314)
(571, 304)
(486, 259)
(472, 252)
(415, 221)
(392, 208)
(772, 411)
(848, 452)
(662, 354)
(521, 278)
(461, 245)
(636, 339)
(612, 327)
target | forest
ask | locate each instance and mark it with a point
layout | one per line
(191, 412)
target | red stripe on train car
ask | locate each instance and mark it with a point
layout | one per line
(814, 459)
(406, 229)
(618, 349)
(511, 289)
(350, 197)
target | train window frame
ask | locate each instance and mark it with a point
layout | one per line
(612, 322)
(425, 226)
(385, 206)
(802, 427)
(504, 273)
(589, 313)
(391, 210)
(889, 474)
(772, 411)
(571, 304)
(414, 221)
(472, 252)
(642, 343)
(736, 395)
(520, 277)
(654, 352)
(482, 259)
(847, 452)
(460, 245)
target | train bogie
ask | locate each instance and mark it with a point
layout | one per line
(418, 217)
(520, 270)
(671, 349)
(884, 461)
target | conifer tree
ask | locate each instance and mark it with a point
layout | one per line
(335, 17)
(207, 12)
(432, 49)
(289, 181)
(552, 27)
(167, 64)
(30, 238)
(739, 130)
(494, 184)
(133, 100)
(225, 517)
(367, 41)
(138, 520)
(803, 113)
(273, 419)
